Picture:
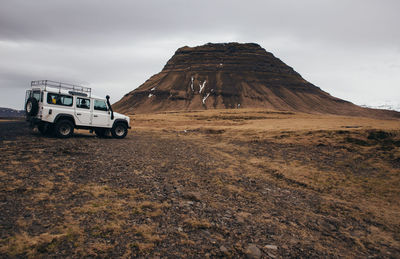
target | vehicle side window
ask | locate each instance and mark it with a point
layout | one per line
(36, 95)
(100, 105)
(59, 99)
(82, 103)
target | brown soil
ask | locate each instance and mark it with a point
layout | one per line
(197, 184)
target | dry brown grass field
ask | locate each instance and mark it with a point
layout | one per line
(216, 183)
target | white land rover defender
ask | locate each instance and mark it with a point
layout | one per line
(56, 107)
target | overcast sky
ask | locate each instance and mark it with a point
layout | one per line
(349, 48)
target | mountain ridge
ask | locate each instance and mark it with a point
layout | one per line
(9, 113)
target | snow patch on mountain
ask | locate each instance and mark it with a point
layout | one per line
(202, 86)
(191, 84)
(205, 98)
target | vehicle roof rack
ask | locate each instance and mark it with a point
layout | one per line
(73, 89)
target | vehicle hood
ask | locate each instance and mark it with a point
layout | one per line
(120, 116)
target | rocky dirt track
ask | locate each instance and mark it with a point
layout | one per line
(170, 195)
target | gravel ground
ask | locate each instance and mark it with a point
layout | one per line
(169, 196)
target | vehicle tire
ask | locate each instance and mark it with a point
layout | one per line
(32, 107)
(64, 129)
(101, 133)
(119, 130)
(45, 129)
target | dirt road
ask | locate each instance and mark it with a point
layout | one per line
(184, 194)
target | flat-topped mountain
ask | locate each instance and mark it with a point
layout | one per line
(233, 75)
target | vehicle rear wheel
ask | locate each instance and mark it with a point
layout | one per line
(32, 107)
(119, 130)
(64, 129)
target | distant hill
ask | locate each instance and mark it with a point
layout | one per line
(384, 106)
(234, 75)
(9, 113)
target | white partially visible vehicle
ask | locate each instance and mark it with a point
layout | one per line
(59, 108)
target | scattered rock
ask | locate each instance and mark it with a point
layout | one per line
(240, 219)
(242, 216)
(224, 250)
(272, 247)
(194, 196)
(252, 251)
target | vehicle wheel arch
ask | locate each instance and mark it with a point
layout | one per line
(120, 121)
(63, 116)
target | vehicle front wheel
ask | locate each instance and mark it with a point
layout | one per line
(120, 130)
(64, 129)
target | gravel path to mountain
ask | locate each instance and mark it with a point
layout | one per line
(163, 196)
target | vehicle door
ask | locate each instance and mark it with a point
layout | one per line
(83, 113)
(100, 115)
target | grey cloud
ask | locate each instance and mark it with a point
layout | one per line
(360, 21)
(116, 45)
